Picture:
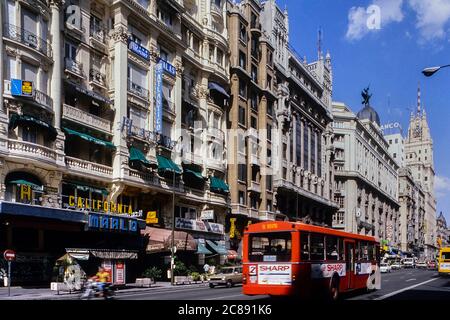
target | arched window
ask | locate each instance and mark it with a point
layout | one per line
(23, 187)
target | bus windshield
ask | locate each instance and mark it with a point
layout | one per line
(270, 247)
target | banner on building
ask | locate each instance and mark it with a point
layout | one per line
(158, 97)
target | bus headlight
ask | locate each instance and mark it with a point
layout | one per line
(223, 278)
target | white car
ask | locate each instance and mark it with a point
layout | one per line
(421, 265)
(384, 268)
(409, 263)
(396, 266)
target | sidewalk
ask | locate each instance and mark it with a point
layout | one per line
(20, 293)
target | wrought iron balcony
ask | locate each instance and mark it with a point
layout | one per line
(43, 99)
(74, 66)
(27, 38)
(97, 33)
(97, 77)
(138, 90)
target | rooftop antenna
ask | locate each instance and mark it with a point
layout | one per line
(418, 98)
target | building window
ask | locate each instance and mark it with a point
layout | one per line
(241, 198)
(269, 182)
(29, 134)
(243, 32)
(313, 152)
(242, 116)
(242, 88)
(242, 60)
(269, 157)
(269, 132)
(319, 155)
(254, 101)
(254, 74)
(242, 172)
(395, 155)
(305, 147)
(253, 123)
(284, 151)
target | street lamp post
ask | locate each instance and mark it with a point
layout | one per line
(172, 249)
(428, 72)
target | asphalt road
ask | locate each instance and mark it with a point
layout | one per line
(405, 284)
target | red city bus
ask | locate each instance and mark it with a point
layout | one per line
(289, 258)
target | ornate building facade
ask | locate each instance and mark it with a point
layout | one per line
(419, 158)
(119, 118)
(365, 176)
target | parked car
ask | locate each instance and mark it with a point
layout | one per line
(384, 268)
(396, 266)
(227, 276)
(431, 265)
(409, 263)
(421, 265)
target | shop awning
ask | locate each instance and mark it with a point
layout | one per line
(83, 187)
(160, 240)
(90, 138)
(201, 248)
(139, 156)
(218, 88)
(16, 119)
(220, 249)
(89, 93)
(165, 165)
(218, 185)
(27, 183)
(194, 174)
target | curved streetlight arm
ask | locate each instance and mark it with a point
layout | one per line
(428, 72)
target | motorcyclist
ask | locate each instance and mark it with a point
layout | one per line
(102, 277)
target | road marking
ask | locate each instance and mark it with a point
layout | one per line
(411, 279)
(404, 289)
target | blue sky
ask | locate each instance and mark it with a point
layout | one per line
(413, 34)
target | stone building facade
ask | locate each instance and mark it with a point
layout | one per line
(365, 176)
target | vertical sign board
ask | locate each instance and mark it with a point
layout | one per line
(158, 96)
(119, 274)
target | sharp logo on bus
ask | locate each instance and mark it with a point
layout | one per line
(334, 267)
(274, 268)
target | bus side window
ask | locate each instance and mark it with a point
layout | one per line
(341, 249)
(331, 248)
(317, 247)
(370, 249)
(364, 253)
(304, 242)
(357, 255)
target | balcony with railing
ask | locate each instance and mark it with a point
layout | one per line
(137, 90)
(74, 67)
(97, 78)
(38, 97)
(216, 11)
(28, 39)
(253, 213)
(254, 187)
(89, 120)
(267, 216)
(30, 150)
(85, 167)
(97, 33)
(239, 209)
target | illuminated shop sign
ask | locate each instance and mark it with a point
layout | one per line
(198, 225)
(103, 206)
(167, 67)
(111, 223)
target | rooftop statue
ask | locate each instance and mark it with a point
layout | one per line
(366, 96)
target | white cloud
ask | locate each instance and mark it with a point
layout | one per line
(390, 11)
(432, 17)
(442, 186)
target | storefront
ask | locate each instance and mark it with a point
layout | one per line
(41, 235)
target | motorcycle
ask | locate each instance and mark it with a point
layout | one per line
(92, 290)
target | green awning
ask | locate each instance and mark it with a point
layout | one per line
(83, 187)
(90, 138)
(138, 155)
(27, 183)
(220, 249)
(165, 165)
(16, 119)
(218, 185)
(201, 248)
(194, 173)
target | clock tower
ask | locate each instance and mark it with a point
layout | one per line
(419, 158)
